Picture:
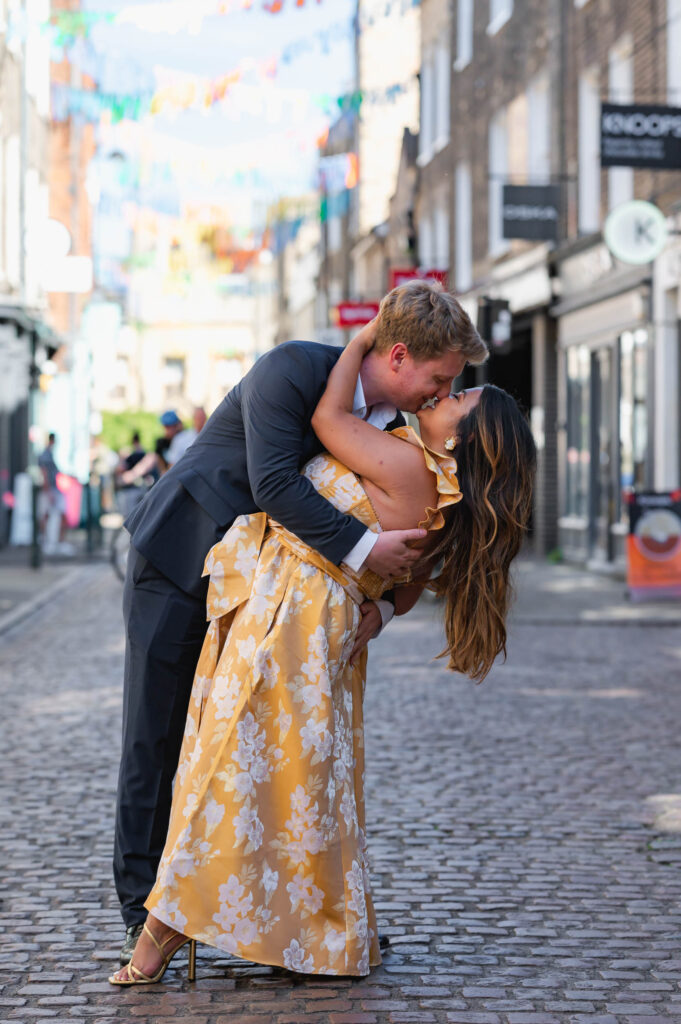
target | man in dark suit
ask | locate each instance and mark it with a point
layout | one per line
(248, 457)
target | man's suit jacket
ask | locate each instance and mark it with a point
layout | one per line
(247, 457)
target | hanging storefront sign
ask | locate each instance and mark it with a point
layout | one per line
(635, 232)
(654, 545)
(399, 275)
(354, 314)
(641, 135)
(531, 211)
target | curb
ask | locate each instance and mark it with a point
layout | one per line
(596, 620)
(32, 604)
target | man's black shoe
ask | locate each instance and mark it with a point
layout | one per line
(132, 934)
(383, 941)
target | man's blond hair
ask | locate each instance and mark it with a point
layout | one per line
(429, 321)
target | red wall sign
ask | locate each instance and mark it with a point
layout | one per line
(355, 314)
(398, 275)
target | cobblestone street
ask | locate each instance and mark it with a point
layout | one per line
(525, 834)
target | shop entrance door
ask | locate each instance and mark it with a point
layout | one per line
(603, 460)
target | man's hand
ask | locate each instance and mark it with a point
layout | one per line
(369, 626)
(391, 555)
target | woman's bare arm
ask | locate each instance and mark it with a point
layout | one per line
(365, 449)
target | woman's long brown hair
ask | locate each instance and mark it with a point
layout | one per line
(496, 458)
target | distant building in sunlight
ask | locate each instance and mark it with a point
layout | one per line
(294, 238)
(199, 308)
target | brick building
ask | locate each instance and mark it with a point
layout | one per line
(592, 350)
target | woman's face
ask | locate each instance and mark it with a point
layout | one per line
(442, 421)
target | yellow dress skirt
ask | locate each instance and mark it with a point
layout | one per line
(266, 855)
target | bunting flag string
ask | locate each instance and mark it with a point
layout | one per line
(161, 16)
(199, 93)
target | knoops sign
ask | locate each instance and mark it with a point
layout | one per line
(644, 135)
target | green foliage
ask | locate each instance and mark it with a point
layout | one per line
(118, 428)
(555, 556)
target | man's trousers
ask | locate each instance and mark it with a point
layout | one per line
(165, 628)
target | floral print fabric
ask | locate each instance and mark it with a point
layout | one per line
(266, 853)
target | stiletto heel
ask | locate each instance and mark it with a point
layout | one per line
(134, 976)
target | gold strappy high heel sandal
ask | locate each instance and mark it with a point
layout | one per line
(137, 977)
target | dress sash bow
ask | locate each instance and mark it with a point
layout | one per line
(232, 562)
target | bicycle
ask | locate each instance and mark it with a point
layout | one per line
(119, 546)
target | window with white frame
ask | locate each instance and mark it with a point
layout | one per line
(674, 52)
(589, 183)
(425, 239)
(441, 234)
(464, 34)
(463, 227)
(427, 125)
(12, 205)
(334, 235)
(442, 80)
(538, 129)
(499, 13)
(2, 203)
(498, 172)
(621, 90)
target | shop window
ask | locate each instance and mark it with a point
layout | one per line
(578, 449)
(633, 410)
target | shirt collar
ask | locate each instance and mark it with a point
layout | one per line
(380, 415)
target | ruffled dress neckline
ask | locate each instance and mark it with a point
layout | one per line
(445, 469)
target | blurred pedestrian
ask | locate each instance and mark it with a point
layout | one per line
(130, 491)
(181, 436)
(53, 504)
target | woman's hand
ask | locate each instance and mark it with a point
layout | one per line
(366, 337)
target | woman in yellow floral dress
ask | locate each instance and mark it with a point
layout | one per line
(266, 855)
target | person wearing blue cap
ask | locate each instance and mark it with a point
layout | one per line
(180, 437)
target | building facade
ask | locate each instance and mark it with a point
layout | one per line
(26, 340)
(586, 342)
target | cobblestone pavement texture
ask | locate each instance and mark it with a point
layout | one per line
(525, 834)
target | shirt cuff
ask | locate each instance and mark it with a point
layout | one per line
(358, 555)
(387, 611)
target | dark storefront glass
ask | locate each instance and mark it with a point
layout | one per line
(633, 410)
(578, 457)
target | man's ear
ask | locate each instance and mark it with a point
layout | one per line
(397, 355)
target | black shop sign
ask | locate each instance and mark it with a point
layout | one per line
(531, 211)
(641, 135)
